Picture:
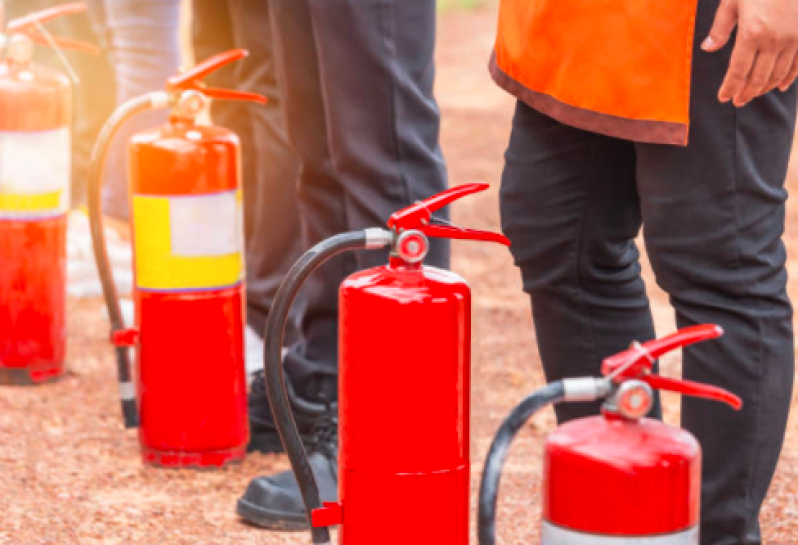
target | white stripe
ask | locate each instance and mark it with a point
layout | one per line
(127, 390)
(555, 535)
(206, 225)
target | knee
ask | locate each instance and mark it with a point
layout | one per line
(721, 267)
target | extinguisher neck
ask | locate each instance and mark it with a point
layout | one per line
(181, 122)
(398, 264)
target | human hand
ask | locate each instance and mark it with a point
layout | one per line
(765, 55)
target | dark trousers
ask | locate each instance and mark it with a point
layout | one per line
(270, 167)
(356, 80)
(712, 215)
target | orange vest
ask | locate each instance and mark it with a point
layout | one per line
(615, 67)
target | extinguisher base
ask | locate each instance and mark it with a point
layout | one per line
(200, 460)
(31, 376)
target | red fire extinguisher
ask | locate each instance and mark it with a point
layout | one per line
(186, 219)
(617, 478)
(404, 386)
(35, 118)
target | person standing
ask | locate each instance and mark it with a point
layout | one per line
(269, 169)
(356, 80)
(659, 115)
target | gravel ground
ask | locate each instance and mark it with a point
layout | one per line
(71, 475)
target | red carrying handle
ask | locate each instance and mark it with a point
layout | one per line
(419, 215)
(191, 80)
(29, 26)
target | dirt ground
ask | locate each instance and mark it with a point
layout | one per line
(69, 474)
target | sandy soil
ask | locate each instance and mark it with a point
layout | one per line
(71, 475)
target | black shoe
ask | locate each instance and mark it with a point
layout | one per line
(263, 436)
(275, 503)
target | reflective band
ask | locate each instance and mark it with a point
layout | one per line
(127, 390)
(187, 243)
(556, 535)
(34, 174)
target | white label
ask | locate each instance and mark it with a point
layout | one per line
(556, 535)
(206, 225)
(34, 172)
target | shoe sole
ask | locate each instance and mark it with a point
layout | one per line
(270, 520)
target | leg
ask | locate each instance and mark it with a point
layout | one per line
(311, 364)
(271, 210)
(570, 207)
(713, 218)
(382, 126)
(145, 51)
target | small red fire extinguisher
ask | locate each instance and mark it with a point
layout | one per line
(35, 118)
(189, 276)
(404, 386)
(617, 478)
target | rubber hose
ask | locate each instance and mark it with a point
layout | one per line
(273, 365)
(96, 174)
(494, 463)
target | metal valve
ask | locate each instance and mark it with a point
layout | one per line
(633, 399)
(411, 246)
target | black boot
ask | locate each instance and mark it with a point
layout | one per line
(275, 503)
(263, 435)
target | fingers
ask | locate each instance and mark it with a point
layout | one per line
(757, 79)
(787, 81)
(782, 68)
(722, 27)
(742, 61)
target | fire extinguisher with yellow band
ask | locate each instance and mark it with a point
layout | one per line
(35, 117)
(190, 388)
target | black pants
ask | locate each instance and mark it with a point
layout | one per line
(270, 167)
(712, 216)
(356, 80)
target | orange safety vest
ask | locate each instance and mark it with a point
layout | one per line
(615, 67)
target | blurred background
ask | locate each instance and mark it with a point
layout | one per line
(70, 474)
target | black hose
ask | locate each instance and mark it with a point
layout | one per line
(494, 463)
(96, 174)
(273, 366)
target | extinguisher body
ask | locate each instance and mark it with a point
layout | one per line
(618, 481)
(189, 294)
(35, 104)
(404, 408)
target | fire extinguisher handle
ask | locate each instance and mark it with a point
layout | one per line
(442, 231)
(29, 25)
(640, 358)
(695, 389)
(191, 80)
(419, 215)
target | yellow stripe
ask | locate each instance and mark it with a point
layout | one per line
(36, 203)
(159, 269)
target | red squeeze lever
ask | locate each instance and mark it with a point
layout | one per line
(191, 80)
(637, 362)
(419, 215)
(29, 26)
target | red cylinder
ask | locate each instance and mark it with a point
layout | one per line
(189, 295)
(404, 406)
(34, 200)
(611, 481)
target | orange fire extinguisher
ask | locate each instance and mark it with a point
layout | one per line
(405, 325)
(617, 478)
(35, 118)
(190, 388)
